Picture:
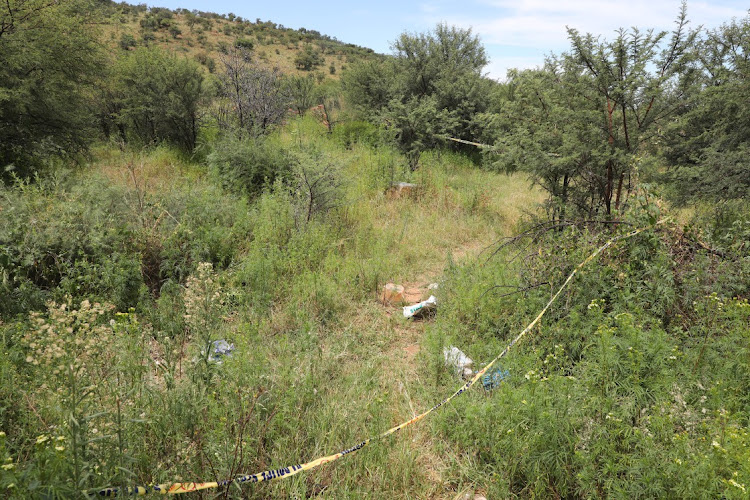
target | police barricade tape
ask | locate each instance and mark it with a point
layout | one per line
(284, 472)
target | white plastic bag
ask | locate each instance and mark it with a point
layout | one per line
(459, 361)
(420, 309)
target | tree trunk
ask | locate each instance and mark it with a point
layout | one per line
(619, 191)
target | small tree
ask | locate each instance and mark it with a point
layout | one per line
(432, 87)
(709, 144)
(49, 61)
(157, 96)
(127, 41)
(253, 97)
(244, 44)
(190, 20)
(302, 92)
(308, 59)
(592, 111)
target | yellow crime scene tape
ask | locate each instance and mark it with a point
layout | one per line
(284, 472)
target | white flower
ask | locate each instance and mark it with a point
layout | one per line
(736, 484)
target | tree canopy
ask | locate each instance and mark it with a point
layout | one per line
(579, 124)
(431, 88)
(49, 61)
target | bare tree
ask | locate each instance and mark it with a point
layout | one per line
(253, 97)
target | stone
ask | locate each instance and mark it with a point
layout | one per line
(393, 294)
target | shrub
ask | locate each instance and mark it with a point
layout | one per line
(351, 132)
(127, 41)
(244, 43)
(66, 241)
(246, 166)
(156, 98)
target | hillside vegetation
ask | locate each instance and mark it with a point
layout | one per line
(204, 36)
(174, 185)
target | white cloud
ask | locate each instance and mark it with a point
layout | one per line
(514, 31)
(541, 23)
(498, 67)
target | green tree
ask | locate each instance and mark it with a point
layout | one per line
(709, 144)
(127, 41)
(175, 31)
(308, 59)
(302, 92)
(49, 61)
(545, 132)
(593, 111)
(156, 97)
(244, 43)
(190, 20)
(432, 88)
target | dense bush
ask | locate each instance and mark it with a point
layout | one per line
(246, 166)
(155, 97)
(352, 132)
(63, 240)
(101, 241)
(49, 63)
(632, 387)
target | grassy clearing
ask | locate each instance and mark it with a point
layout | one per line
(634, 385)
(320, 363)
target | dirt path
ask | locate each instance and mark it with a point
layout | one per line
(401, 370)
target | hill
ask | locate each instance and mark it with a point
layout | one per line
(204, 36)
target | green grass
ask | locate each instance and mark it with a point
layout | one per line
(319, 364)
(634, 385)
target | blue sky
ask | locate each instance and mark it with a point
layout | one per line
(515, 33)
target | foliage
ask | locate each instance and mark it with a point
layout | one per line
(608, 98)
(708, 145)
(302, 92)
(308, 59)
(75, 247)
(49, 61)
(100, 241)
(253, 98)
(244, 43)
(154, 97)
(430, 89)
(278, 237)
(620, 391)
(127, 41)
(248, 165)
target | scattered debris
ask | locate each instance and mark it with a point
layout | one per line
(401, 189)
(494, 378)
(420, 309)
(220, 349)
(433, 286)
(393, 294)
(459, 361)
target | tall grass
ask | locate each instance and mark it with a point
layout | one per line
(118, 279)
(295, 292)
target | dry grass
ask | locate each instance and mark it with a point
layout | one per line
(371, 358)
(195, 42)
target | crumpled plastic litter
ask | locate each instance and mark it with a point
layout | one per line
(494, 378)
(220, 349)
(420, 309)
